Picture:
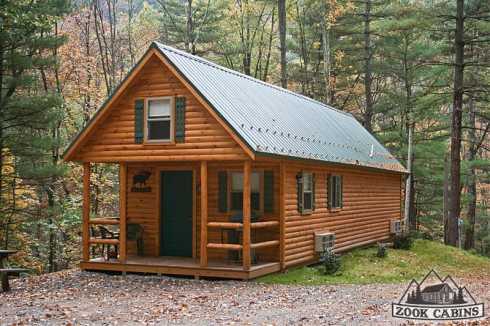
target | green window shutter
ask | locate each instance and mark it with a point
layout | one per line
(299, 184)
(223, 191)
(313, 183)
(179, 119)
(341, 192)
(330, 190)
(268, 191)
(139, 121)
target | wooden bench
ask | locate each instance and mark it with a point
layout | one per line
(6, 272)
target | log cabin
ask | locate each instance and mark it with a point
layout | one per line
(223, 175)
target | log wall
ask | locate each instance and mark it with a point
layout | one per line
(371, 200)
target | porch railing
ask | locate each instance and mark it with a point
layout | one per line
(103, 221)
(238, 226)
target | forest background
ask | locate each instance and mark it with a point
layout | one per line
(414, 72)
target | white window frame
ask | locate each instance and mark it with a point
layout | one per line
(171, 119)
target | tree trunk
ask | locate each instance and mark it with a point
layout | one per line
(409, 185)
(445, 198)
(368, 79)
(130, 31)
(469, 242)
(190, 45)
(455, 192)
(281, 8)
(412, 211)
(326, 52)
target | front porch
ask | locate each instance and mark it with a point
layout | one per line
(187, 266)
(224, 248)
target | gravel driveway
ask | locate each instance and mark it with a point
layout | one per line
(75, 298)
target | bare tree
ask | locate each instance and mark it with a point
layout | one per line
(281, 9)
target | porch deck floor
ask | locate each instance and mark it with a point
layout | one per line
(181, 266)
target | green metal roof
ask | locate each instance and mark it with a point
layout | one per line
(272, 120)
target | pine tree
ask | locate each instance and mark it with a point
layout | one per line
(27, 112)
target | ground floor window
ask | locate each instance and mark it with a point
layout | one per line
(236, 193)
(335, 193)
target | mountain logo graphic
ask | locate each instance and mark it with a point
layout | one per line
(436, 298)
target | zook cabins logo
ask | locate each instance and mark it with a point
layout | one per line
(435, 298)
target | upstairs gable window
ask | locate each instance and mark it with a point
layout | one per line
(159, 119)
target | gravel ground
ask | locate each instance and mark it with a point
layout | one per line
(82, 298)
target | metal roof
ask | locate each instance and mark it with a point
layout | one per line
(273, 120)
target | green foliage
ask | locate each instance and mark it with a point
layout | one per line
(382, 250)
(31, 111)
(331, 262)
(403, 241)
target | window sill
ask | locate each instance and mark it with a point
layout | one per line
(335, 210)
(158, 142)
(307, 212)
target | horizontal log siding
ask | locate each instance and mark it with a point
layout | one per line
(371, 200)
(142, 209)
(113, 139)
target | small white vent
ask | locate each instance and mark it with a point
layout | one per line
(396, 227)
(324, 241)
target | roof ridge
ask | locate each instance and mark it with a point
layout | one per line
(239, 74)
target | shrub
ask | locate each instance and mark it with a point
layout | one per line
(382, 250)
(331, 262)
(425, 235)
(403, 241)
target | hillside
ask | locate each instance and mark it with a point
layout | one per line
(361, 266)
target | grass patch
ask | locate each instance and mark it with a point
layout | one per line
(361, 266)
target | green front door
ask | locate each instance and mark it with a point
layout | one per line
(176, 213)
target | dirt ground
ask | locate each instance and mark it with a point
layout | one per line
(82, 298)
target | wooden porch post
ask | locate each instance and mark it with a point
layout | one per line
(204, 213)
(247, 166)
(86, 212)
(282, 214)
(122, 210)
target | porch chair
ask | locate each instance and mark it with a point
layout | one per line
(135, 233)
(95, 233)
(105, 233)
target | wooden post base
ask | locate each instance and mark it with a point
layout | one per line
(5, 282)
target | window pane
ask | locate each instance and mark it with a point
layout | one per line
(307, 198)
(236, 201)
(307, 181)
(339, 191)
(255, 182)
(255, 201)
(159, 130)
(237, 181)
(159, 108)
